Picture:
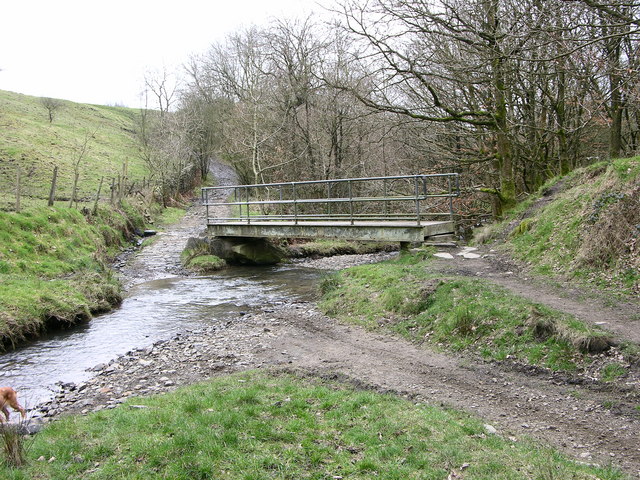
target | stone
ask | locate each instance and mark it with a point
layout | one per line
(490, 429)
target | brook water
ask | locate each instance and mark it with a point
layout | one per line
(152, 311)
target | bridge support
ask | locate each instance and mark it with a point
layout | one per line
(241, 250)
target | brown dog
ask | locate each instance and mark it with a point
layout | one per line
(9, 397)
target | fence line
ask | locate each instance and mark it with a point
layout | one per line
(22, 187)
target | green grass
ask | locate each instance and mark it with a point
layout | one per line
(170, 216)
(257, 426)
(206, 264)
(52, 266)
(587, 233)
(458, 314)
(612, 371)
(28, 141)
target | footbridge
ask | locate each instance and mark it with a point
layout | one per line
(409, 208)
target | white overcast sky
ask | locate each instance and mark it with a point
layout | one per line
(97, 51)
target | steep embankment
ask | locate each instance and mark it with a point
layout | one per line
(584, 227)
(53, 268)
(52, 259)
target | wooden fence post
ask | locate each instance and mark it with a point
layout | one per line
(74, 189)
(119, 192)
(18, 189)
(113, 188)
(95, 205)
(52, 192)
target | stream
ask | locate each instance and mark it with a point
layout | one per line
(152, 311)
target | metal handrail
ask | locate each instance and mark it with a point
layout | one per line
(292, 194)
(339, 180)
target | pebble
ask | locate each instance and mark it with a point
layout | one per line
(152, 370)
(490, 429)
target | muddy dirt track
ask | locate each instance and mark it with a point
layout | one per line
(591, 421)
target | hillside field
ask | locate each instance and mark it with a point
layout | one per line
(30, 142)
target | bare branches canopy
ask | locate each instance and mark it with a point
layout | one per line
(510, 91)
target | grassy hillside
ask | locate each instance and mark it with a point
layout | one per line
(29, 141)
(585, 226)
(52, 260)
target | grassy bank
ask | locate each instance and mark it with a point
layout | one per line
(459, 314)
(53, 260)
(257, 426)
(589, 232)
(52, 266)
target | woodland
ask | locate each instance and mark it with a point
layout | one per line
(507, 92)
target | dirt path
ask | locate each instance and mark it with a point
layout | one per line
(591, 421)
(572, 417)
(161, 258)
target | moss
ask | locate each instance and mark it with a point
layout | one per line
(206, 264)
(523, 227)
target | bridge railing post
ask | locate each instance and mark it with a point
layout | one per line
(295, 204)
(235, 201)
(246, 191)
(417, 195)
(450, 198)
(385, 195)
(205, 201)
(350, 202)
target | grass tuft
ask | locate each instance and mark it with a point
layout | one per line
(328, 248)
(15, 445)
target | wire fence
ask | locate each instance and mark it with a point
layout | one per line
(22, 188)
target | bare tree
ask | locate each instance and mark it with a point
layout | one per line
(52, 106)
(527, 79)
(81, 150)
(163, 133)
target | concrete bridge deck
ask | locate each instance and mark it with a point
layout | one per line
(384, 231)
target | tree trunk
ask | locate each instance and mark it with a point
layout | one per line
(52, 192)
(504, 151)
